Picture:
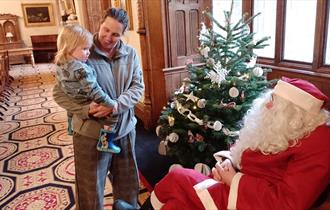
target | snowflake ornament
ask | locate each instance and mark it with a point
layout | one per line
(217, 75)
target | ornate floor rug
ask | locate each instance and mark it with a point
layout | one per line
(36, 154)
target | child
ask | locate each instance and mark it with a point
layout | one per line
(78, 80)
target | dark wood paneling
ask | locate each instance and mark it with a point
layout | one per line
(173, 79)
(44, 47)
(180, 34)
(194, 31)
(183, 19)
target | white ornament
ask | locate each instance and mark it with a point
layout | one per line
(201, 103)
(171, 120)
(202, 168)
(162, 148)
(217, 125)
(258, 71)
(158, 129)
(172, 105)
(186, 112)
(193, 118)
(205, 52)
(233, 92)
(228, 132)
(173, 137)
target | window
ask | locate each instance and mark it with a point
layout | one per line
(299, 31)
(264, 25)
(219, 6)
(327, 54)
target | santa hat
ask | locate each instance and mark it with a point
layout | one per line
(302, 93)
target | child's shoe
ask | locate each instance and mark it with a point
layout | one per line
(105, 143)
(70, 130)
(113, 148)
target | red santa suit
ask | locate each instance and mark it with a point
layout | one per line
(292, 179)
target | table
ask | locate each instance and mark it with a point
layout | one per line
(22, 51)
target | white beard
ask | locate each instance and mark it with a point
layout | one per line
(273, 130)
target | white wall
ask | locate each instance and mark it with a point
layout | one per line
(14, 7)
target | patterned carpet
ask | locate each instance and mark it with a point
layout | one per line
(36, 154)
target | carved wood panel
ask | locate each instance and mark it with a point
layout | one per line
(183, 22)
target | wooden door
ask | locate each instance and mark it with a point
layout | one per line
(183, 23)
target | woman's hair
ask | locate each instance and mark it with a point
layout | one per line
(118, 14)
(70, 37)
(274, 129)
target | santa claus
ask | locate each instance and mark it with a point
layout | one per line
(280, 161)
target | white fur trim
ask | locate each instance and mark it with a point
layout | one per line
(232, 199)
(204, 195)
(156, 204)
(222, 155)
(298, 97)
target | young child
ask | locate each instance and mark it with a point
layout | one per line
(78, 80)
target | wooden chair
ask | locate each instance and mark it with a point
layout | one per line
(5, 80)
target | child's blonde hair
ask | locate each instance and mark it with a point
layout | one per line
(70, 37)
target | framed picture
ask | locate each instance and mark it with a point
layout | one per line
(38, 14)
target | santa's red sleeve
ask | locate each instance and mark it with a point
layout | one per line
(302, 178)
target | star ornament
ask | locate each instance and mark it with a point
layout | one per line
(191, 97)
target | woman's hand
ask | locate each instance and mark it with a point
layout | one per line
(224, 172)
(98, 110)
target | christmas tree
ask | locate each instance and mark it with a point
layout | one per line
(205, 114)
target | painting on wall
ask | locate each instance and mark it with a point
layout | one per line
(38, 14)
